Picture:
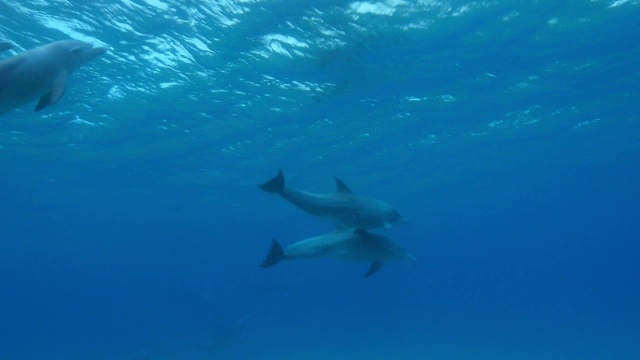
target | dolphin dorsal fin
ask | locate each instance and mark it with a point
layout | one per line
(341, 187)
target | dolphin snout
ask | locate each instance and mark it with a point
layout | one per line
(97, 51)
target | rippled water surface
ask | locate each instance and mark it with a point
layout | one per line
(131, 226)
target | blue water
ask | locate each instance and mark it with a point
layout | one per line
(132, 226)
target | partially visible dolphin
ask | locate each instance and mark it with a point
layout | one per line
(346, 209)
(347, 244)
(42, 73)
(226, 335)
(5, 46)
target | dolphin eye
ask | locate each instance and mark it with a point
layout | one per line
(76, 51)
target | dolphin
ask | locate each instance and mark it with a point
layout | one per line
(5, 46)
(346, 244)
(346, 209)
(42, 73)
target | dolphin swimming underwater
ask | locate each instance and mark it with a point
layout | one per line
(226, 335)
(347, 244)
(42, 73)
(346, 209)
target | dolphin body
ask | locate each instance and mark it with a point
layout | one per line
(346, 209)
(41, 73)
(347, 244)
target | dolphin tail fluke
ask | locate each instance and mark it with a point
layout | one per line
(275, 255)
(375, 266)
(275, 185)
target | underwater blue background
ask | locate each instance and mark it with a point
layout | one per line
(132, 226)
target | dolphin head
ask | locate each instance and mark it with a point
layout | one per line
(396, 218)
(379, 247)
(388, 216)
(76, 53)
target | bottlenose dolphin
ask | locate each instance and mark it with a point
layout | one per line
(347, 244)
(42, 73)
(346, 209)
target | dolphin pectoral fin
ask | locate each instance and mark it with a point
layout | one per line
(43, 102)
(375, 266)
(386, 224)
(57, 90)
(275, 255)
(341, 187)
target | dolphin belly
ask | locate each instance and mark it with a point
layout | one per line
(350, 244)
(344, 212)
(315, 247)
(20, 84)
(314, 204)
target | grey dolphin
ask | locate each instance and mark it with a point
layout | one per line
(347, 244)
(346, 209)
(4, 46)
(42, 73)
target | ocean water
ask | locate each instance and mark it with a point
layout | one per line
(507, 132)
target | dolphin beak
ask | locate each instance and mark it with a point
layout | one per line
(97, 51)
